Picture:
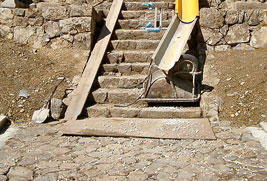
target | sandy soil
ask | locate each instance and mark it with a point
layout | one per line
(37, 72)
(243, 85)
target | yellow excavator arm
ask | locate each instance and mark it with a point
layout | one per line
(187, 10)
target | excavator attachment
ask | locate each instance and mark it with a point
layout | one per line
(172, 44)
(187, 10)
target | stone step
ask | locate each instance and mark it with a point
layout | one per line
(116, 96)
(134, 44)
(126, 68)
(119, 81)
(135, 111)
(122, 34)
(141, 1)
(138, 5)
(129, 56)
(148, 15)
(136, 24)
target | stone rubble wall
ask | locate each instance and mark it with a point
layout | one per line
(50, 25)
(233, 24)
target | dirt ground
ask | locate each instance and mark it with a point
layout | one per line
(38, 72)
(242, 85)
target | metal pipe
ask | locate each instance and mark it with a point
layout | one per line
(160, 17)
(156, 17)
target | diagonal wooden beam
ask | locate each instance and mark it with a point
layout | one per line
(84, 87)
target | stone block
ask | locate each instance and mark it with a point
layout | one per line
(128, 112)
(100, 96)
(98, 111)
(55, 13)
(115, 82)
(259, 38)
(38, 21)
(52, 29)
(6, 16)
(115, 57)
(254, 18)
(22, 34)
(58, 43)
(238, 33)
(232, 17)
(33, 13)
(249, 5)
(210, 36)
(81, 11)
(243, 46)
(83, 41)
(20, 21)
(211, 18)
(4, 30)
(57, 108)
(78, 24)
(19, 12)
(135, 44)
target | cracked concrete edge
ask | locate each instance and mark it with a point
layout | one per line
(3, 120)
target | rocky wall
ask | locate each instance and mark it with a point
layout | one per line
(226, 24)
(50, 25)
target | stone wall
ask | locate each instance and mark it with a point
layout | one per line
(50, 24)
(226, 24)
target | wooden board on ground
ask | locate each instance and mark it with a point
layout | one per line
(141, 127)
(82, 91)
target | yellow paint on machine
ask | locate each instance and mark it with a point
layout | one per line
(187, 10)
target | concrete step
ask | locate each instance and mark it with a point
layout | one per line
(129, 56)
(116, 96)
(134, 44)
(148, 15)
(136, 24)
(119, 81)
(122, 34)
(126, 68)
(135, 111)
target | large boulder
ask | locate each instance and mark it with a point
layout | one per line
(211, 18)
(259, 38)
(210, 36)
(238, 33)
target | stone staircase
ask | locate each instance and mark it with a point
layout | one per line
(126, 64)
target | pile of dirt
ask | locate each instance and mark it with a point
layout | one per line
(38, 72)
(242, 86)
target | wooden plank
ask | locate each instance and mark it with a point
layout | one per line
(141, 127)
(82, 91)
